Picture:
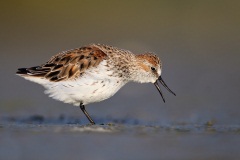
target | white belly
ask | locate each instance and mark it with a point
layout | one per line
(84, 90)
(95, 85)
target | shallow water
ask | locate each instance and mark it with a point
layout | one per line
(36, 137)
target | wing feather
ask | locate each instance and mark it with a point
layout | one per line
(67, 65)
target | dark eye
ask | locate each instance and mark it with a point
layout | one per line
(153, 69)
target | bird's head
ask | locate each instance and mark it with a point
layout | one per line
(148, 70)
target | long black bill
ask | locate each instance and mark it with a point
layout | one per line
(164, 84)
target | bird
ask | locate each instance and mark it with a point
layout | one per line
(93, 73)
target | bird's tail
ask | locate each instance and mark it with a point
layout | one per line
(36, 71)
(22, 71)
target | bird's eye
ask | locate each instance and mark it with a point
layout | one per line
(153, 69)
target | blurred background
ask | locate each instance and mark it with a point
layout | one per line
(198, 43)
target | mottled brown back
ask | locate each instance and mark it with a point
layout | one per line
(67, 65)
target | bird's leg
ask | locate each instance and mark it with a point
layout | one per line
(82, 107)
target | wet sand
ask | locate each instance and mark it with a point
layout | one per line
(36, 137)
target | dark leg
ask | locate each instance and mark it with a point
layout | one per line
(82, 107)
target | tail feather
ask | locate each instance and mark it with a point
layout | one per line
(33, 71)
(22, 71)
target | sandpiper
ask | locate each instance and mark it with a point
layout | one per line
(94, 73)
